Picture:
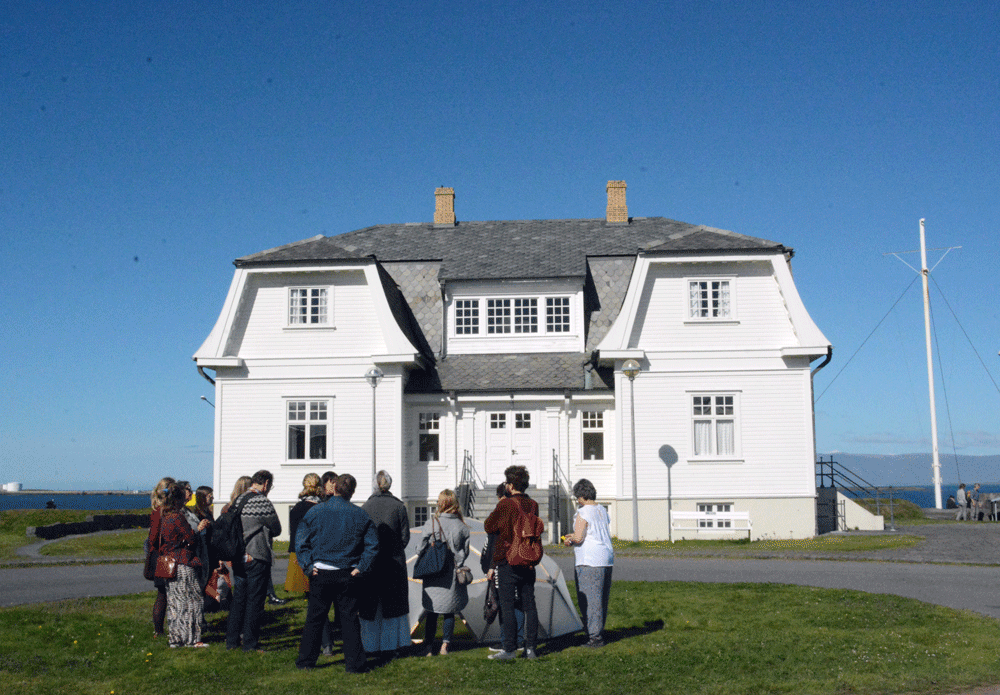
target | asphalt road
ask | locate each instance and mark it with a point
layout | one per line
(956, 586)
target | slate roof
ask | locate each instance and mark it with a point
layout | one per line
(414, 259)
(511, 250)
(546, 371)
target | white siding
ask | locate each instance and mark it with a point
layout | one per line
(761, 319)
(261, 327)
(774, 432)
(253, 431)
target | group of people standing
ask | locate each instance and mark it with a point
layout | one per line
(181, 530)
(970, 503)
(352, 559)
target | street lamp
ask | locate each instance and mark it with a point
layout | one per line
(208, 401)
(373, 377)
(631, 369)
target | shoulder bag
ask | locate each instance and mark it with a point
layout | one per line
(433, 557)
(166, 565)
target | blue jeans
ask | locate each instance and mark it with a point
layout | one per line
(246, 610)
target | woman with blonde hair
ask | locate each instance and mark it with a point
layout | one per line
(310, 496)
(442, 594)
(156, 499)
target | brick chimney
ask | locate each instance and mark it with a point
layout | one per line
(444, 207)
(617, 209)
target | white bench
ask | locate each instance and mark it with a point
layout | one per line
(712, 522)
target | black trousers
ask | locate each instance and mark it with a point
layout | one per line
(246, 609)
(328, 588)
(518, 582)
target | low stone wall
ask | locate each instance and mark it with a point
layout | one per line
(93, 524)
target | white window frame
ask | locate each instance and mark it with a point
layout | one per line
(513, 315)
(716, 416)
(318, 306)
(704, 303)
(715, 508)
(428, 424)
(592, 422)
(467, 317)
(310, 412)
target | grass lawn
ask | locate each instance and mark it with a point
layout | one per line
(15, 522)
(663, 637)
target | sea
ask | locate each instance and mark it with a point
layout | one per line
(921, 495)
(91, 501)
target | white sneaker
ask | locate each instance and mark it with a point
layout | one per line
(503, 656)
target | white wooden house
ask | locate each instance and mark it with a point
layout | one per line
(503, 342)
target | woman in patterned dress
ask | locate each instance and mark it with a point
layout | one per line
(184, 602)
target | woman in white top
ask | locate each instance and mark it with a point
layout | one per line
(591, 539)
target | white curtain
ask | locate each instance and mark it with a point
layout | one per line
(702, 437)
(726, 440)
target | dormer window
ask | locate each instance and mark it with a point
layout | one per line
(514, 315)
(309, 306)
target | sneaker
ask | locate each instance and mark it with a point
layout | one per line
(595, 642)
(503, 656)
(326, 651)
(530, 654)
(275, 601)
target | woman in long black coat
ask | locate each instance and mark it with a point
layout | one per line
(385, 625)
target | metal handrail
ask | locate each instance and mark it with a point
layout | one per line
(469, 481)
(840, 477)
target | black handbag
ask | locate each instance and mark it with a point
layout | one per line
(433, 557)
(491, 606)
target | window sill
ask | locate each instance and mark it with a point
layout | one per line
(711, 461)
(310, 327)
(714, 322)
(307, 462)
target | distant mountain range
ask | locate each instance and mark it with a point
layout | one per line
(915, 469)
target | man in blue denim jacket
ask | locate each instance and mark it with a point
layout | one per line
(336, 542)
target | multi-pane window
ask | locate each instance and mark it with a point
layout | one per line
(519, 315)
(715, 509)
(593, 435)
(467, 317)
(522, 421)
(526, 315)
(498, 421)
(557, 314)
(308, 430)
(498, 316)
(308, 306)
(421, 513)
(429, 426)
(714, 418)
(709, 299)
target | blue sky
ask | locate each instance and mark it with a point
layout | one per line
(147, 145)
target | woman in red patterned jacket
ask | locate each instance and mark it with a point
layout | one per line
(184, 602)
(156, 500)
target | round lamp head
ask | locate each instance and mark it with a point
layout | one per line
(631, 368)
(374, 376)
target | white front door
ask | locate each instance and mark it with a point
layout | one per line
(511, 439)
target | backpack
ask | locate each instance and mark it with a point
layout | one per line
(226, 537)
(526, 545)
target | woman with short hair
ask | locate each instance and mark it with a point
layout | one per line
(442, 594)
(595, 558)
(385, 611)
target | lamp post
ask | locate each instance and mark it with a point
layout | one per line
(373, 377)
(631, 369)
(208, 401)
